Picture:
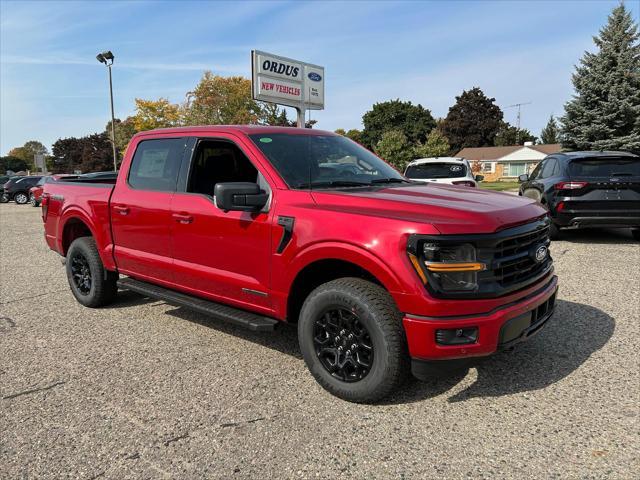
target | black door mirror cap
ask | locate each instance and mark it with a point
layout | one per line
(240, 196)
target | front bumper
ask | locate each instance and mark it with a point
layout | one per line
(500, 328)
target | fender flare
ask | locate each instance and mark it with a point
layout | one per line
(76, 213)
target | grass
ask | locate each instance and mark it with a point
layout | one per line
(499, 186)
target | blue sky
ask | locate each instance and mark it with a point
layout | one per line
(52, 87)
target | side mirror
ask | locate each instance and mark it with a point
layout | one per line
(242, 196)
(523, 178)
(479, 178)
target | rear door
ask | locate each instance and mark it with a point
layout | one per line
(140, 210)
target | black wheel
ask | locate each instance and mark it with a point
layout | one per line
(636, 233)
(90, 283)
(352, 340)
(554, 231)
(33, 201)
(20, 198)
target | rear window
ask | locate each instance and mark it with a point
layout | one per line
(605, 167)
(156, 164)
(437, 170)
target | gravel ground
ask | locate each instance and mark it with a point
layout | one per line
(147, 390)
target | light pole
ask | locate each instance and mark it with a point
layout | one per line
(107, 58)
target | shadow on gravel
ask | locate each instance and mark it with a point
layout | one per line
(284, 339)
(573, 334)
(611, 236)
(127, 298)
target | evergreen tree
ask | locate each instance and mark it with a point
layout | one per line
(550, 133)
(604, 113)
(473, 121)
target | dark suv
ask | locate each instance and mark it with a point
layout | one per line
(17, 189)
(587, 189)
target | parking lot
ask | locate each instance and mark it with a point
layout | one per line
(147, 390)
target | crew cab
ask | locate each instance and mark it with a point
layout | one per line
(262, 225)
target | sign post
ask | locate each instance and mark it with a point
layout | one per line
(287, 82)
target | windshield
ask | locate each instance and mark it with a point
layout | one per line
(605, 167)
(323, 161)
(437, 170)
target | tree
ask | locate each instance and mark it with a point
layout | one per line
(220, 100)
(152, 114)
(27, 152)
(414, 121)
(340, 131)
(125, 129)
(550, 133)
(436, 145)
(395, 149)
(510, 135)
(14, 164)
(473, 121)
(604, 113)
(88, 154)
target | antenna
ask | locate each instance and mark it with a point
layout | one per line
(518, 122)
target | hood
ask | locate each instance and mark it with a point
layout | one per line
(450, 209)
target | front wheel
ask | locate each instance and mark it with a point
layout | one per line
(91, 284)
(33, 201)
(352, 340)
(21, 198)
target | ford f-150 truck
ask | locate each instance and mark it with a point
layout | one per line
(261, 225)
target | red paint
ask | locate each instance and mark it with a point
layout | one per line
(183, 241)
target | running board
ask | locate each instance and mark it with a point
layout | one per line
(249, 320)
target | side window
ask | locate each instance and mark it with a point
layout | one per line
(536, 172)
(218, 161)
(156, 164)
(548, 168)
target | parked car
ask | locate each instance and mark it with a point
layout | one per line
(382, 275)
(35, 192)
(3, 182)
(17, 189)
(451, 170)
(587, 189)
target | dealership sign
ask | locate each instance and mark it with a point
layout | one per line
(286, 81)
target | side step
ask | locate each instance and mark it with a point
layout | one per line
(249, 320)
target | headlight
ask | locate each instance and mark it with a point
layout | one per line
(447, 267)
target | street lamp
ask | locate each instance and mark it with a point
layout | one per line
(107, 59)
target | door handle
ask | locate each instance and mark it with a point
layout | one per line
(122, 210)
(183, 218)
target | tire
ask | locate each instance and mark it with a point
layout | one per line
(91, 284)
(554, 232)
(21, 198)
(33, 201)
(533, 194)
(4, 198)
(376, 327)
(636, 233)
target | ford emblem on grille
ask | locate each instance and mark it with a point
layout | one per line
(541, 253)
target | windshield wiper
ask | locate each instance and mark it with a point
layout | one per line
(333, 183)
(390, 180)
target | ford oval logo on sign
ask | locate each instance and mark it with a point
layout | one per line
(314, 76)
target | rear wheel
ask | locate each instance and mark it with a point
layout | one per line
(90, 282)
(533, 194)
(352, 340)
(636, 233)
(554, 231)
(21, 198)
(4, 198)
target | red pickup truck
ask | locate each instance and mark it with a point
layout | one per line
(262, 225)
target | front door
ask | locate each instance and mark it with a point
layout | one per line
(221, 255)
(141, 216)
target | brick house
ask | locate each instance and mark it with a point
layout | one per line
(506, 163)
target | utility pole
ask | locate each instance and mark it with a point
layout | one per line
(519, 105)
